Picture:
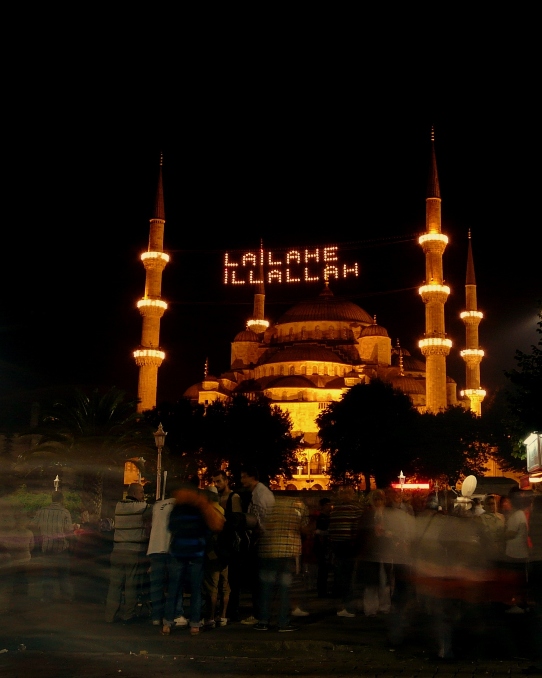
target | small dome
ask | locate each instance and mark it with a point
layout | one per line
(246, 335)
(375, 330)
(409, 385)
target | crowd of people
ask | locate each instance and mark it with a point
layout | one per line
(187, 558)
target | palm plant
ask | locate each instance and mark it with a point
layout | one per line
(92, 434)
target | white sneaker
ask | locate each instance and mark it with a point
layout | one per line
(157, 622)
(298, 612)
(181, 621)
(345, 613)
(221, 621)
(250, 621)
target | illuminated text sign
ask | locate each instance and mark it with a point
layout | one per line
(307, 264)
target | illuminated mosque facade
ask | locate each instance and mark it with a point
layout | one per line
(321, 347)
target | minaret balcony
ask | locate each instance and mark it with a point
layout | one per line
(258, 326)
(149, 356)
(435, 346)
(474, 393)
(433, 242)
(471, 317)
(434, 293)
(152, 307)
(155, 260)
(472, 356)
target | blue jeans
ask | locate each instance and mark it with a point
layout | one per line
(160, 576)
(275, 572)
(182, 570)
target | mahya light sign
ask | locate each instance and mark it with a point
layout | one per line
(306, 264)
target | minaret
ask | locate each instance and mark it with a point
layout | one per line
(258, 323)
(435, 346)
(149, 357)
(473, 354)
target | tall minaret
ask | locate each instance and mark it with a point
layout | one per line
(149, 357)
(258, 323)
(473, 354)
(435, 347)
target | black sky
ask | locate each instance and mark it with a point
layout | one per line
(311, 155)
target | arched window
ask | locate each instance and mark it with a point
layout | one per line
(316, 463)
(336, 371)
(315, 369)
(303, 333)
(292, 369)
(303, 369)
(291, 334)
(281, 370)
(317, 332)
(271, 371)
(331, 332)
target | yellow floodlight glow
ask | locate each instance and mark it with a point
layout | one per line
(434, 288)
(434, 341)
(152, 302)
(155, 255)
(428, 237)
(258, 323)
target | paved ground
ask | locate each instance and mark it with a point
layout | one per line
(65, 640)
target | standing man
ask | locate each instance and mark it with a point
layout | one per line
(231, 503)
(129, 556)
(261, 503)
(279, 546)
(344, 531)
(55, 525)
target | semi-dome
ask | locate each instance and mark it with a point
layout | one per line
(409, 385)
(327, 307)
(246, 335)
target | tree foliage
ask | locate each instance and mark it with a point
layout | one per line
(525, 397)
(369, 432)
(450, 445)
(228, 434)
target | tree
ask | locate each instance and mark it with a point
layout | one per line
(526, 395)
(91, 434)
(450, 445)
(369, 432)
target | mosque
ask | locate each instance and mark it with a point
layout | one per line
(321, 347)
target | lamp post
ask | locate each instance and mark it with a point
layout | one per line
(401, 481)
(56, 483)
(159, 439)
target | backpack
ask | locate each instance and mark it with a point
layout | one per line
(233, 538)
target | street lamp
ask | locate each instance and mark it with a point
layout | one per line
(159, 439)
(56, 483)
(402, 478)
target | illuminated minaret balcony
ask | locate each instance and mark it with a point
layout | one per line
(155, 259)
(435, 346)
(438, 293)
(152, 307)
(258, 325)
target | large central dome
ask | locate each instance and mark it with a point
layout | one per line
(326, 307)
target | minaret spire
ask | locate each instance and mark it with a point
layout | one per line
(148, 356)
(473, 354)
(435, 346)
(258, 323)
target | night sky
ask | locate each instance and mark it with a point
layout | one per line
(304, 160)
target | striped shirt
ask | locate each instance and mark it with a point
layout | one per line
(281, 537)
(54, 523)
(345, 522)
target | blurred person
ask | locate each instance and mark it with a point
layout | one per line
(90, 552)
(375, 556)
(18, 542)
(215, 572)
(492, 529)
(535, 580)
(321, 547)
(262, 501)
(160, 564)
(278, 548)
(230, 501)
(191, 522)
(517, 547)
(344, 533)
(128, 562)
(55, 526)
(505, 508)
